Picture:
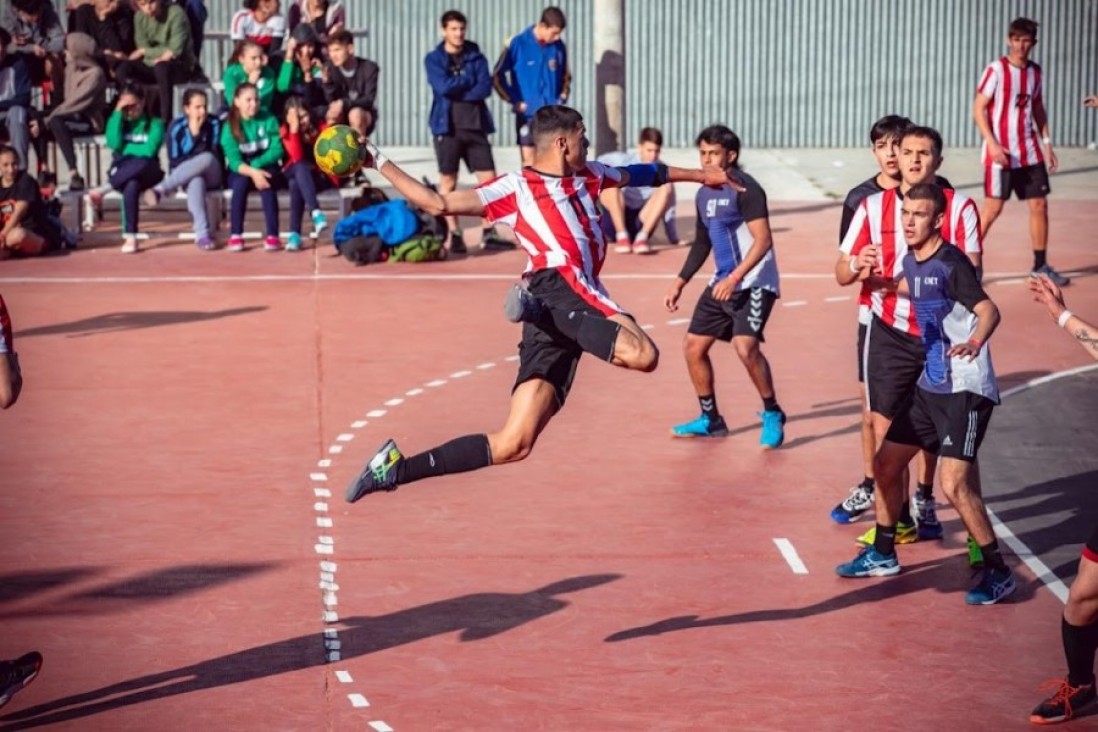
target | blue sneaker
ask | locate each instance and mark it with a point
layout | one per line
(858, 502)
(926, 516)
(380, 474)
(773, 431)
(869, 563)
(701, 427)
(320, 221)
(995, 584)
(293, 242)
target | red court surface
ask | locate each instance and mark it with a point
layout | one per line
(175, 541)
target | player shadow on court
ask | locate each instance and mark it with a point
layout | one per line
(119, 595)
(474, 617)
(114, 322)
(946, 575)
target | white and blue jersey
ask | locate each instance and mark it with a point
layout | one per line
(944, 291)
(723, 215)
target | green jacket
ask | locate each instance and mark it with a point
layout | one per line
(235, 75)
(157, 35)
(139, 138)
(262, 145)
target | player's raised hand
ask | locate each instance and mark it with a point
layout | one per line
(1045, 291)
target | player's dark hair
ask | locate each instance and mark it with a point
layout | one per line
(8, 150)
(552, 120)
(927, 133)
(723, 136)
(234, 112)
(190, 94)
(1023, 27)
(133, 88)
(928, 192)
(342, 37)
(889, 127)
(553, 17)
(451, 16)
(31, 7)
(241, 47)
(652, 135)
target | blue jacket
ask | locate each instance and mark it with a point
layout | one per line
(532, 73)
(15, 85)
(391, 221)
(182, 145)
(472, 83)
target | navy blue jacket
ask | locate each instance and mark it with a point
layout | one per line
(472, 83)
(15, 85)
(532, 73)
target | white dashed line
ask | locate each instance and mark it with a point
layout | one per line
(344, 677)
(394, 402)
(511, 358)
(795, 303)
(325, 463)
(359, 424)
(328, 567)
(786, 548)
(345, 437)
(324, 522)
(326, 540)
(322, 493)
(380, 726)
(436, 383)
(330, 599)
(647, 326)
(460, 374)
(376, 413)
(335, 449)
(331, 616)
(413, 392)
(331, 633)
(678, 321)
(323, 549)
(318, 476)
(484, 366)
(320, 506)
(837, 298)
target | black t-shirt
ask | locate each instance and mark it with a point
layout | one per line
(114, 33)
(464, 115)
(25, 188)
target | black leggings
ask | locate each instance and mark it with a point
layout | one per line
(132, 175)
(63, 128)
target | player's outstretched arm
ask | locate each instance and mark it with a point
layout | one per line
(456, 203)
(644, 175)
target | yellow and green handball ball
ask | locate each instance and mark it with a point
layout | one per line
(338, 152)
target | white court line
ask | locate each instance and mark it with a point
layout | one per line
(345, 437)
(325, 463)
(413, 392)
(484, 366)
(394, 402)
(795, 303)
(380, 726)
(376, 413)
(786, 548)
(359, 424)
(837, 298)
(1055, 585)
(678, 321)
(318, 476)
(344, 677)
(322, 493)
(460, 374)
(357, 700)
(436, 383)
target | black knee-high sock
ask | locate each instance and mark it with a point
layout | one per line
(924, 490)
(709, 407)
(885, 540)
(1080, 644)
(992, 557)
(470, 452)
(905, 513)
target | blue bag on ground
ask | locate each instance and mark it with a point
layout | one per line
(392, 221)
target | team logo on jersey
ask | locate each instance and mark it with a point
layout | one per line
(711, 206)
(1021, 101)
(552, 64)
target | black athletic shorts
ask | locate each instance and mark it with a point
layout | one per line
(549, 351)
(948, 425)
(1090, 551)
(862, 328)
(744, 314)
(522, 130)
(472, 146)
(1028, 182)
(893, 363)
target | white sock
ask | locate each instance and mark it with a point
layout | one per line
(642, 238)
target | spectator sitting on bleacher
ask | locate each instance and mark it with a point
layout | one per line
(15, 98)
(164, 55)
(24, 226)
(350, 85)
(37, 34)
(253, 151)
(110, 23)
(300, 73)
(323, 17)
(260, 21)
(135, 138)
(298, 137)
(248, 64)
(81, 112)
(194, 140)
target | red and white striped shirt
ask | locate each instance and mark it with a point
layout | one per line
(245, 26)
(877, 221)
(556, 220)
(1013, 91)
(6, 343)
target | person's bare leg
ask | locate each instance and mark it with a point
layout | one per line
(991, 210)
(1038, 223)
(633, 349)
(447, 182)
(869, 439)
(696, 351)
(758, 368)
(533, 404)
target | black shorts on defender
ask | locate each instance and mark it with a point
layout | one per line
(893, 363)
(1028, 182)
(862, 328)
(549, 351)
(948, 425)
(744, 314)
(472, 146)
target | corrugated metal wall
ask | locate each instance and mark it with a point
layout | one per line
(782, 73)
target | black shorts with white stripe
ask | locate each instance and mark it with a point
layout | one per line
(948, 425)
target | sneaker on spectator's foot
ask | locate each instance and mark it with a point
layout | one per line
(320, 221)
(522, 307)
(272, 244)
(1057, 279)
(93, 209)
(236, 243)
(492, 241)
(15, 675)
(975, 553)
(858, 502)
(129, 245)
(1065, 703)
(870, 563)
(151, 197)
(378, 475)
(994, 585)
(905, 534)
(293, 242)
(926, 517)
(76, 183)
(641, 246)
(773, 429)
(205, 243)
(623, 245)
(701, 427)
(457, 243)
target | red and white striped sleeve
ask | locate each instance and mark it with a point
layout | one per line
(610, 177)
(499, 197)
(237, 26)
(7, 345)
(969, 236)
(857, 234)
(989, 82)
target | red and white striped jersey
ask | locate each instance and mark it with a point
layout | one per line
(6, 344)
(556, 221)
(1013, 91)
(877, 221)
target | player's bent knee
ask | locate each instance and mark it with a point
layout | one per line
(510, 448)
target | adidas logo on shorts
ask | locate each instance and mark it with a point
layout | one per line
(947, 442)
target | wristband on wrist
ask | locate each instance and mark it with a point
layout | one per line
(975, 343)
(1046, 140)
(853, 264)
(1065, 316)
(376, 156)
